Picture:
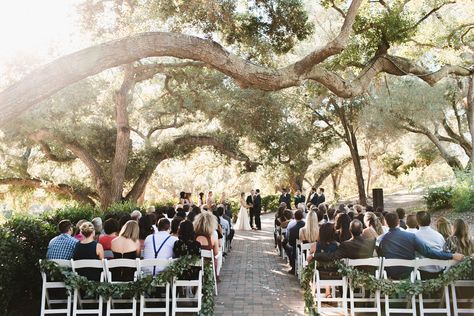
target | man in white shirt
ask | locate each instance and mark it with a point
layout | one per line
(432, 238)
(159, 245)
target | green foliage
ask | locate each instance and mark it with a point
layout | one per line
(72, 213)
(12, 265)
(391, 164)
(306, 278)
(31, 236)
(463, 193)
(459, 196)
(120, 209)
(270, 202)
(439, 198)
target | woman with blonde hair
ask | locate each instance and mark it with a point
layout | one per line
(205, 228)
(127, 244)
(443, 226)
(461, 240)
(373, 226)
(88, 248)
(310, 232)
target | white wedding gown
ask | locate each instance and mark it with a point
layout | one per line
(243, 220)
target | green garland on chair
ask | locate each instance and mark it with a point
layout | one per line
(463, 270)
(143, 285)
(306, 278)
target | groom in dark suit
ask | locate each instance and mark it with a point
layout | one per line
(257, 209)
(250, 201)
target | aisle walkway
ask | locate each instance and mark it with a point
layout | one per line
(254, 278)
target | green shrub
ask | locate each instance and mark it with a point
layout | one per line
(463, 193)
(72, 213)
(439, 198)
(119, 209)
(32, 235)
(270, 203)
(12, 263)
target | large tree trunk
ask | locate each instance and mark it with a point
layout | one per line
(356, 161)
(452, 161)
(123, 141)
(470, 118)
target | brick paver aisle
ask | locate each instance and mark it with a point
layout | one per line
(254, 278)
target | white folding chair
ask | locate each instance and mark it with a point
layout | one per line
(466, 301)
(47, 303)
(194, 300)
(78, 301)
(302, 255)
(209, 255)
(409, 300)
(298, 258)
(282, 237)
(112, 302)
(146, 301)
(446, 310)
(374, 297)
(321, 297)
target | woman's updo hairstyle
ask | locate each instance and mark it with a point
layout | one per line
(87, 229)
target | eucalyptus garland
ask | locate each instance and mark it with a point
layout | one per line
(306, 277)
(143, 285)
(358, 278)
(463, 270)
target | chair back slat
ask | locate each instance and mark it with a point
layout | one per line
(370, 262)
(424, 262)
(122, 263)
(207, 253)
(399, 263)
(306, 246)
(87, 263)
(147, 263)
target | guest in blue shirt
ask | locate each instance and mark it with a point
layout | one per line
(62, 246)
(399, 244)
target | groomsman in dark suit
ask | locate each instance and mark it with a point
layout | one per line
(321, 197)
(257, 209)
(299, 198)
(250, 201)
(285, 197)
(313, 197)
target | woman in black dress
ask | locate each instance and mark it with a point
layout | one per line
(126, 246)
(187, 245)
(88, 248)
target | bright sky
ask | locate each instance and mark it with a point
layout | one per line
(30, 27)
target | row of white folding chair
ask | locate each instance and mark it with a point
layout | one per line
(380, 264)
(105, 266)
(302, 250)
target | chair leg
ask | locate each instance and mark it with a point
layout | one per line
(387, 305)
(74, 305)
(43, 300)
(351, 298)
(446, 298)
(378, 303)
(422, 310)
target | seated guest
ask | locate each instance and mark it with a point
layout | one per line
(159, 245)
(111, 228)
(125, 218)
(399, 244)
(222, 221)
(461, 240)
(97, 222)
(77, 231)
(205, 226)
(175, 225)
(443, 226)
(145, 226)
(286, 218)
(321, 210)
(432, 239)
(153, 218)
(62, 246)
(136, 215)
(170, 213)
(342, 227)
(126, 246)
(310, 232)
(355, 248)
(187, 245)
(331, 213)
(373, 226)
(88, 248)
(412, 224)
(293, 234)
(401, 215)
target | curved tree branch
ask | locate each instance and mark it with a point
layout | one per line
(63, 189)
(51, 156)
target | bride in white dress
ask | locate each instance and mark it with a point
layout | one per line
(243, 220)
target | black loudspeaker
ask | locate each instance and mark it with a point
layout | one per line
(377, 195)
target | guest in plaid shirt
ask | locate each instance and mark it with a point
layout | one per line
(62, 246)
